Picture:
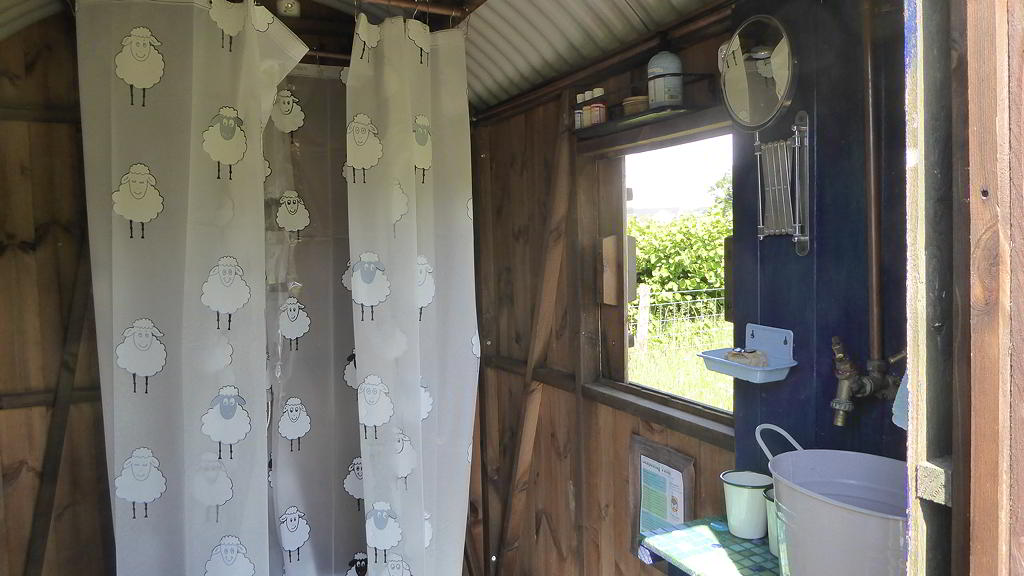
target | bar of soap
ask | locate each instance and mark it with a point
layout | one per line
(753, 358)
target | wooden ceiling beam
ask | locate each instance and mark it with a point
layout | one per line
(320, 27)
(472, 5)
(422, 6)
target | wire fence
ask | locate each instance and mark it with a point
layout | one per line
(669, 329)
(678, 318)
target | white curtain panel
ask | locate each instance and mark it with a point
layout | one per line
(174, 96)
(317, 486)
(412, 288)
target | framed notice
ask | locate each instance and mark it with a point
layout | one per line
(661, 488)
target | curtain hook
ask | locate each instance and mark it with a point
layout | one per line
(417, 10)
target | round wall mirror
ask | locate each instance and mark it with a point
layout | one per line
(758, 72)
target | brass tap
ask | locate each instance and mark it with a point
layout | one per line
(850, 383)
(848, 379)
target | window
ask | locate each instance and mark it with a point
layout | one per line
(680, 212)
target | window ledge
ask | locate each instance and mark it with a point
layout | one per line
(678, 415)
(686, 417)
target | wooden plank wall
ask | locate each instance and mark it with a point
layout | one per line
(512, 168)
(42, 215)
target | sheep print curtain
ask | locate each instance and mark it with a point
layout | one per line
(175, 94)
(412, 287)
(316, 511)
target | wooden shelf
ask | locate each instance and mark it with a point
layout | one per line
(652, 129)
(631, 121)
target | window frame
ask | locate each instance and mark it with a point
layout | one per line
(614, 388)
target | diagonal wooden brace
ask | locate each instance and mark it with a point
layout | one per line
(543, 321)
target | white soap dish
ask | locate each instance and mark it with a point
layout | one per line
(775, 343)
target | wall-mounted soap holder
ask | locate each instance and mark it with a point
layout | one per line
(775, 343)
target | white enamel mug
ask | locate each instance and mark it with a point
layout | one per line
(744, 503)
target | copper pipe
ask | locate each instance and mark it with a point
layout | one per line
(873, 200)
(422, 6)
(877, 381)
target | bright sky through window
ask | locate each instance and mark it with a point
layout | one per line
(672, 181)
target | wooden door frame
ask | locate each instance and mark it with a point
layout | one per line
(994, 132)
(996, 219)
(984, 129)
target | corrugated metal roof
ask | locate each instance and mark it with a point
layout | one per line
(512, 45)
(515, 45)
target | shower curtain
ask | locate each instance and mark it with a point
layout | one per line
(174, 96)
(316, 471)
(412, 287)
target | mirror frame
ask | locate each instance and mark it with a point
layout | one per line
(787, 99)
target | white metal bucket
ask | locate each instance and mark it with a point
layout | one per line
(840, 513)
(744, 503)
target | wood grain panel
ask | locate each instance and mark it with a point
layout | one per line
(1015, 162)
(990, 198)
(582, 446)
(608, 516)
(42, 213)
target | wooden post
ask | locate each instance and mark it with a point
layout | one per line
(993, 334)
(643, 317)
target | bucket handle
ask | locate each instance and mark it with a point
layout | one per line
(760, 441)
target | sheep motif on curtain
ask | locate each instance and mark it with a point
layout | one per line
(368, 282)
(211, 485)
(294, 532)
(142, 353)
(316, 470)
(286, 113)
(137, 198)
(139, 63)
(230, 18)
(229, 558)
(293, 322)
(354, 481)
(364, 146)
(227, 422)
(174, 379)
(224, 139)
(292, 215)
(226, 291)
(410, 275)
(140, 481)
(294, 423)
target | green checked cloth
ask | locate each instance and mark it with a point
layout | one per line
(706, 548)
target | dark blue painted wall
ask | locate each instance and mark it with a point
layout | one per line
(824, 293)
